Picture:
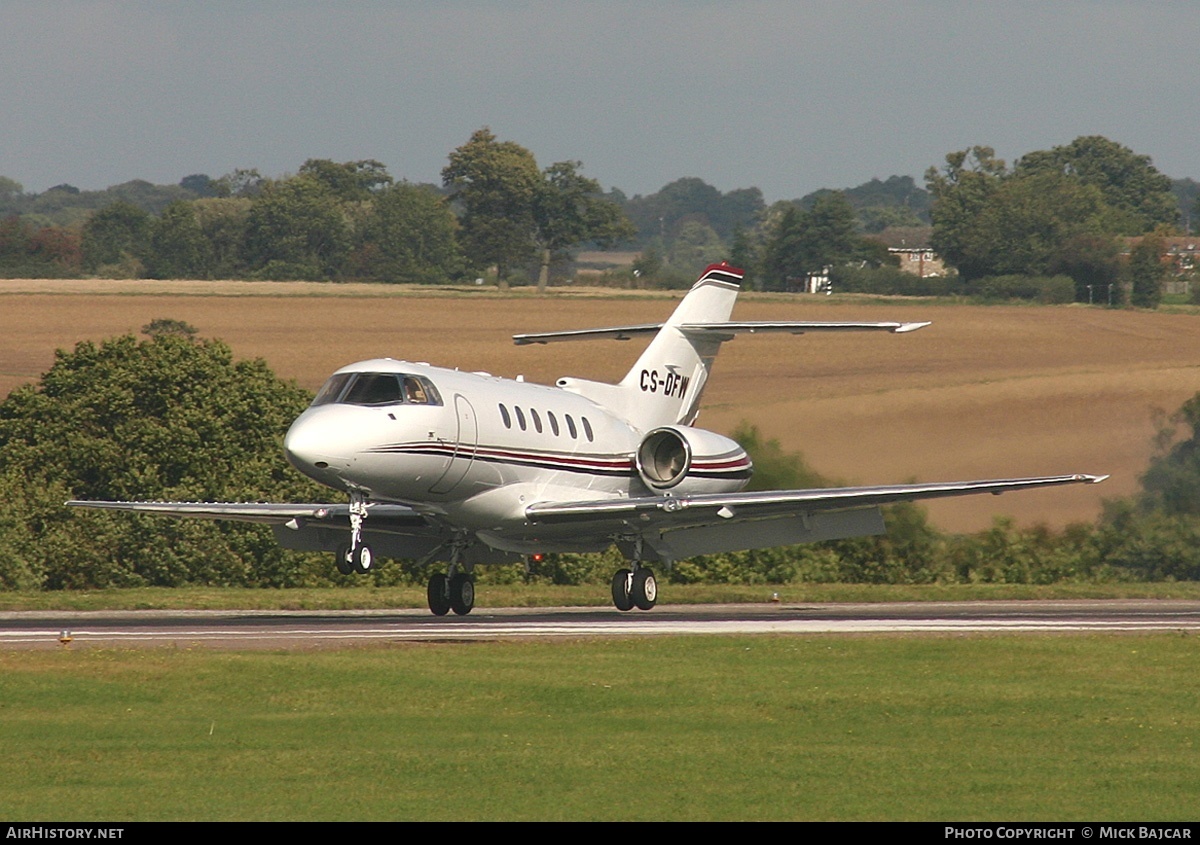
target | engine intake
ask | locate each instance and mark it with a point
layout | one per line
(664, 458)
(688, 461)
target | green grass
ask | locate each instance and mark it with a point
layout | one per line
(816, 727)
(596, 595)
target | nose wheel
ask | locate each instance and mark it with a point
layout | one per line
(356, 557)
(356, 561)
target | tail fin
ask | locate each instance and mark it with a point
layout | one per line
(665, 385)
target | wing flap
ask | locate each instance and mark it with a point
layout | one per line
(268, 513)
(777, 503)
(732, 536)
(677, 527)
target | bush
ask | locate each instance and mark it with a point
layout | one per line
(169, 418)
(1044, 289)
(892, 281)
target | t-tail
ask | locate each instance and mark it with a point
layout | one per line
(667, 382)
(669, 378)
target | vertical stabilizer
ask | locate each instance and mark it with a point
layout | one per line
(665, 385)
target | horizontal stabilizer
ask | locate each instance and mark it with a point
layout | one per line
(721, 331)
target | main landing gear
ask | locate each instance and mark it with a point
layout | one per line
(635, 587)
(454, 591)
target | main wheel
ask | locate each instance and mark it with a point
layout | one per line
(620, 590)
(644, 592)
(462, 593)
(438, 593)
(363, 559)
(342, 558)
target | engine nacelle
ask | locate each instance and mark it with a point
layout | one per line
(685, 460)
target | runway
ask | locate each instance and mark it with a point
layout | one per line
(286, 630)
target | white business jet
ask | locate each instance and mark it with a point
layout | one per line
(468, 468)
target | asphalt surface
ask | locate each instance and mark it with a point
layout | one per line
(325, 629)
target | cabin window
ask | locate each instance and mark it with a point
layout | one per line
(505, 417)
(553, 422)
(587, 429)
(373, 389)
(571, 427)
(377, 389)
(537, 421)
(414, 391)
(332, 389)
(520, 417)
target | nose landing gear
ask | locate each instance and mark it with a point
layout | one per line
(356, 557)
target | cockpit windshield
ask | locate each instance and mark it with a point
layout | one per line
(377, 389)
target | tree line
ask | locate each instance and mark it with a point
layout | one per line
(330, 221)
(1061, 217)
(171, 416)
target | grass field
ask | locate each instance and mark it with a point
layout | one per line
(556, 595)
(971, 728)
(985, 392)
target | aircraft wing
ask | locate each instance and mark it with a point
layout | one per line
(268, 513)
(722, 331)
(680, 527)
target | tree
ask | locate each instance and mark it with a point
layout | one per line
(222, 222)
(496, 184)
(10, 192)
(351, 181)
(296, 230)
(164, 418)
(662, 214)
(1058, 210)
(241, 182)
(200, 185)
(409, 237)
(1128, 183)
(1172, 481)
(1028, 221)
(1146, 273)
(743, 254)
(178, 249)
(806, 242)
(961, 191)
(569, 210)
(115, 234)
(694, 248)
(1093, 262)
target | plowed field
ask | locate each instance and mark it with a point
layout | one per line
(984, 392)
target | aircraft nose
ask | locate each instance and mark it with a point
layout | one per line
(312, 442)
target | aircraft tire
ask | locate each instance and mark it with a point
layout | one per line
(462, 594)
(620, 590)
(363, 559)
(439, 601)
(644, 592)
(342, 559)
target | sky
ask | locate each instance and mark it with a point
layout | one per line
(784, 95)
